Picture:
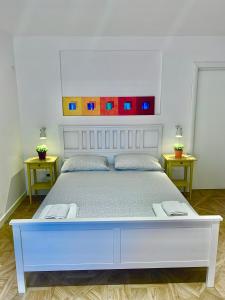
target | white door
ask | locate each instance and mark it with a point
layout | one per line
(209, 142)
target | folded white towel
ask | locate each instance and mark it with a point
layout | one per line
(72, 213)
(59, 211)
(175, 208)
(159, 212)
(55, 211)
(44, 211)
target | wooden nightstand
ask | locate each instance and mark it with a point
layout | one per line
(34, 163)
(187, 162)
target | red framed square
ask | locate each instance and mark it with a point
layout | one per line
(145, 99)
(121, 104)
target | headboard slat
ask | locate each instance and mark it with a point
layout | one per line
(110, 140)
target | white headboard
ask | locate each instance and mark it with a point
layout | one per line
(110, 140)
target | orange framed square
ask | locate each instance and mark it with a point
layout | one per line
(95, 111)
(113, 111)
(67, 101)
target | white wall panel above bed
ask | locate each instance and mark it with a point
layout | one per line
(110, 140)
(111, 73)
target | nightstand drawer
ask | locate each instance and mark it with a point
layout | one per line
(180, 163)
(39, 166)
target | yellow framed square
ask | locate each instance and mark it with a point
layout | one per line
(93, 112)
(69, 101)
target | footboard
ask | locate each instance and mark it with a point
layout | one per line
(85, 244)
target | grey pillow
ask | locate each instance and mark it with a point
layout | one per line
(142, 162)
(85, 163)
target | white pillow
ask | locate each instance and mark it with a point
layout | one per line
(142, 162)
(85, 163)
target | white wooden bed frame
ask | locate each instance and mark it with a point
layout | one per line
(116, 243)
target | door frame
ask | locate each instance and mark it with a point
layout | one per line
(197, 67)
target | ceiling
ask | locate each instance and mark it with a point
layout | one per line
(113, 17)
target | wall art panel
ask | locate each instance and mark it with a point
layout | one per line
(108, 106)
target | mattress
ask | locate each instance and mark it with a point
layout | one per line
(102, 194)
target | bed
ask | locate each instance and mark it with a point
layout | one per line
(116, 227)
(112, 194)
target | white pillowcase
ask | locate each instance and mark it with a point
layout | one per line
(142, 162)
(85, 163)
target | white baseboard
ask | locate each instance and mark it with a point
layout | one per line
(12, 209)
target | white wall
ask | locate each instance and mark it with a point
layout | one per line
(39, 86)
(12, 184)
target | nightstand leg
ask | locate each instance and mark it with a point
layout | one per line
(185, 177)
(29, 183)
(35, 179)
(169, 170)
(51, 175)
(191, 178)
(165, 166)
(55, 171)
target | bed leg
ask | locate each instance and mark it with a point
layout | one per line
(210, 279)
(21, 280)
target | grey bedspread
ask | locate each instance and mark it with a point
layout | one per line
(100, 194)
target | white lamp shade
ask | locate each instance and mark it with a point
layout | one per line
(43, 135)
(179, 131)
